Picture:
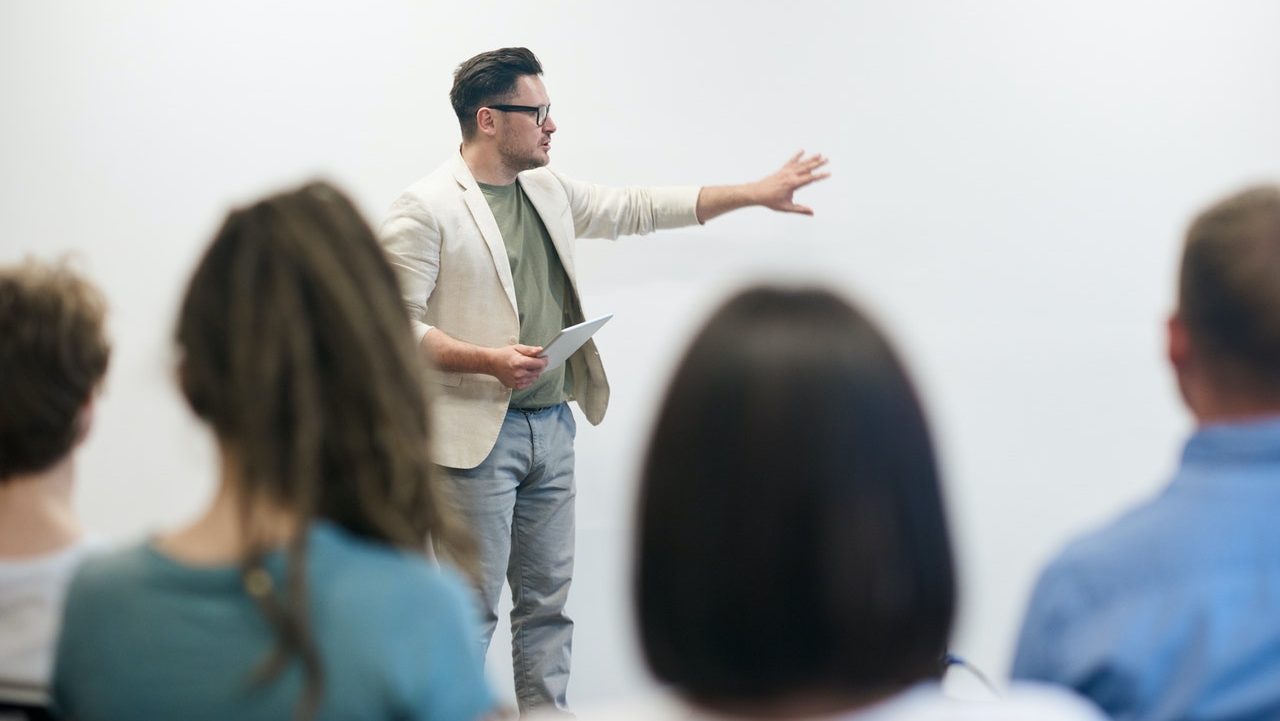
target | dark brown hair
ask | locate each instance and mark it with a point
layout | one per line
(53, 355)
(296, 349)
(487, 78)
(1229, 290)
(792, 538)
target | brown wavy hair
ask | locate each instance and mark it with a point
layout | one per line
(296, 350)
(53, 355)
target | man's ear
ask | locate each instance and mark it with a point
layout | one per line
(485, 122)
(1182, 358)
(1179, 344)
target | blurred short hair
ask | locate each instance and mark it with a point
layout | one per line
(792, 537)
(1229, 290)
(53, 355)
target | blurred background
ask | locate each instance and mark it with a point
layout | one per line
(1011, 179)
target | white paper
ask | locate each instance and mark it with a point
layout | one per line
(569, 340)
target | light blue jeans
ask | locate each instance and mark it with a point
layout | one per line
(519, 505)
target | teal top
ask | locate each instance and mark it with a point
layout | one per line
(542, 286)
(147, 637)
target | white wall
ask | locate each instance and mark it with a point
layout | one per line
(1011, 180)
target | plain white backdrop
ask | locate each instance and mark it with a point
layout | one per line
(1011, 180)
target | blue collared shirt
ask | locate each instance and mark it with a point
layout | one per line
(1173, 611)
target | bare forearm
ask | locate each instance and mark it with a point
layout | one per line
(450, 354)
(516, 366)
(714, 200)
(773, 191)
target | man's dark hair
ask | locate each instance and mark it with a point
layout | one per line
(488, 78)
(1229, 294)
(53, 355)
(792, 537)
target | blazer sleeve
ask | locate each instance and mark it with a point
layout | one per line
(410, 236)
(604, 212)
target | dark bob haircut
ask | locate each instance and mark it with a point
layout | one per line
(486, 78)
(792, 538)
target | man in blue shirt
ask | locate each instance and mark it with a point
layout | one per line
(1173, 610)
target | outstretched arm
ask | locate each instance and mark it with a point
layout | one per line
(774, 191)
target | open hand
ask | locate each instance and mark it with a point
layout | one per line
(776, 191)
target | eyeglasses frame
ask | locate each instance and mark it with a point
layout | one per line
(540, 112)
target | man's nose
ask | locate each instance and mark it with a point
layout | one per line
(549, 126)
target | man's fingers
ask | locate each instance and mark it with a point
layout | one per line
(806, 163)
(807, 167)
(531, 369)
(520, 381)
(813, 178)
(795, 208)
(532, 366)
(529, 350)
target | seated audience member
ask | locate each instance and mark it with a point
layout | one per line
(1173, 610)
(301, 592)
(793, 556)
(53, 355)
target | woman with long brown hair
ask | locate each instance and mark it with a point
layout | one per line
(301, 591)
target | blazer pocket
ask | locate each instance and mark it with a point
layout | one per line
(446, 378)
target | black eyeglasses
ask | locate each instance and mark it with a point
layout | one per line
(540, 112)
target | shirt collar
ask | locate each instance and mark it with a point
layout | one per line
(1247, 442)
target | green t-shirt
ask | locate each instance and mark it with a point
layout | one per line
(542, 288)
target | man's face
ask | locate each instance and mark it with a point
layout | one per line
(521, 143)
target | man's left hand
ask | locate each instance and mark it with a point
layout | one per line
(773, 191)
(776, 191)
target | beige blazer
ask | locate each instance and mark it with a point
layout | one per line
(444, 244)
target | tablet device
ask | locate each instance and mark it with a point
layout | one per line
(569, 340)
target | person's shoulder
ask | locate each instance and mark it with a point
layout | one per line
(106, 579)
(544, 180)
(1021, 702)
(653, 707)
(101, 566)
(52, 565)
(1135, 537)
(1030, 700)
(365, 571)
(425, 192)
(441, 177)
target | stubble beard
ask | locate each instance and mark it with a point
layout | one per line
(520, 160)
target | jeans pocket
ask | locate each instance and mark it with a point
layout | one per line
(569, 421)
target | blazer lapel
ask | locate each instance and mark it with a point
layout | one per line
(552, 210)
(480, 212)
